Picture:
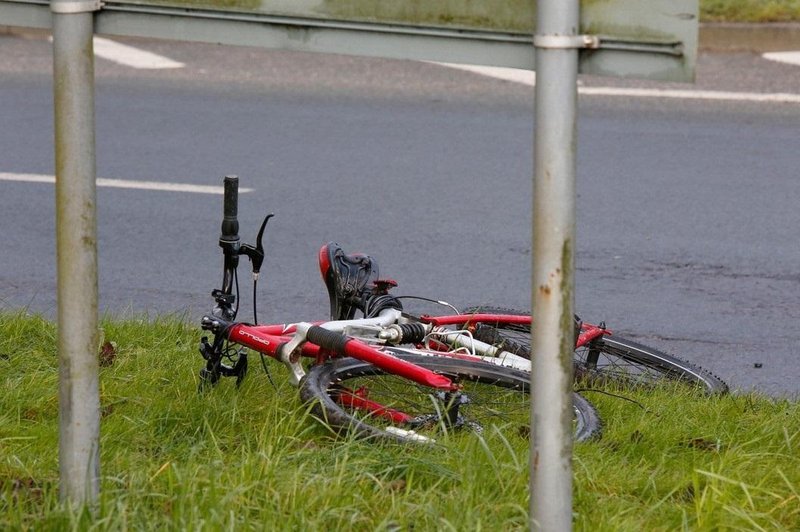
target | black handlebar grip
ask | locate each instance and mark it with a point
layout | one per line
(230, 220)
(330, 340)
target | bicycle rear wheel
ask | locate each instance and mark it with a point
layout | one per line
(609, 359)
(354, 396)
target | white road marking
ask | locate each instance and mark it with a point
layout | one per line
(517, 75)
(129, 56)
(792, 58)
(774, 97)
(527, 77)
(124, 183)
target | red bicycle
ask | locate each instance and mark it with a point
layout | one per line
(392, 374)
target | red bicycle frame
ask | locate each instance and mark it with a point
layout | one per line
(257, 339)
(270, 339)
(588, 332)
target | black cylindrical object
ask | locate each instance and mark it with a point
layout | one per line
(230, 220)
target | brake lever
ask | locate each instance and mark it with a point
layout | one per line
(256, 254)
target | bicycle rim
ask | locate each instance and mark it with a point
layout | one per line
(497, 398)
(617, 360)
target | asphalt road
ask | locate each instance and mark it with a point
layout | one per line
(687, 209)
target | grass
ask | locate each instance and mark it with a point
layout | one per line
(254, 459)
(754, 11)
(507, 14)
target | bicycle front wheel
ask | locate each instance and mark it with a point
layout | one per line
(357, 397)
(609, 359)
(619, 360)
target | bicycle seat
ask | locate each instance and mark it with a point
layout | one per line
(349, 278)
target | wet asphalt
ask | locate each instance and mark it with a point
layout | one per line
(687, 210)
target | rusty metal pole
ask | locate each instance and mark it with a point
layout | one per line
(552, 285)
(76, 246)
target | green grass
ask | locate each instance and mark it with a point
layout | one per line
(753, 11)
(254, 459)
(505, 14)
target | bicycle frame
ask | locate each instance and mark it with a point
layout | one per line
(288, 342)
(292, 343)
(372, 340)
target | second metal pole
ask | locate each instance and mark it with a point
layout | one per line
(553, 264)
(76, 245)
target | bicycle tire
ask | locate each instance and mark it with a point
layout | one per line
(498, 393)
(619, 361)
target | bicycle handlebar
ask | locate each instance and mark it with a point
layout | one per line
(229, 237)
(230, 221)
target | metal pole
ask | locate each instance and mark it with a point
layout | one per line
(76, 245)
(553, 263)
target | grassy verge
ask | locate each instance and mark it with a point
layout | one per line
(253, 458)
(753, 11)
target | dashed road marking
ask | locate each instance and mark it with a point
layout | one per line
(527, 77)
(130, 56)
(793, 58)
(517, 75)
(124, 183)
